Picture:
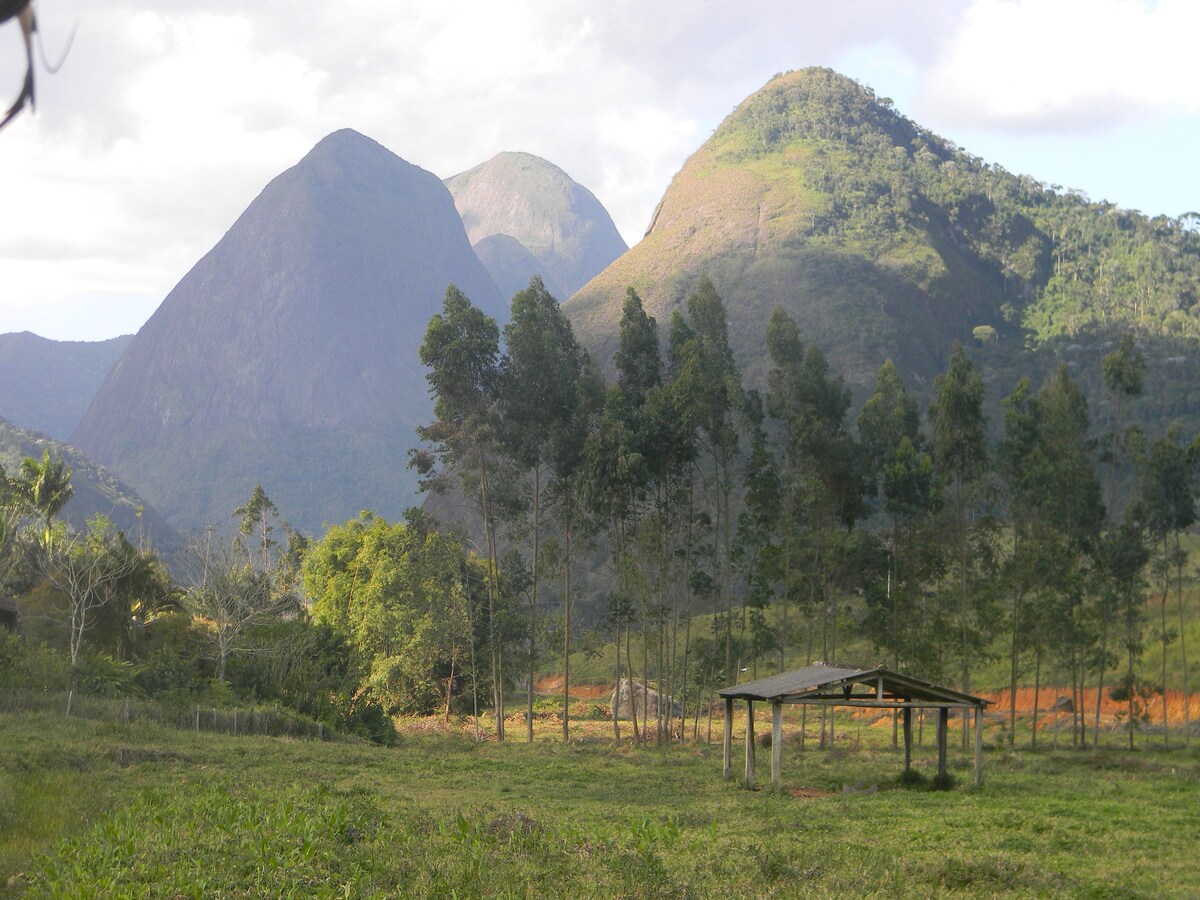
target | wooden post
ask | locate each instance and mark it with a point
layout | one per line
(907, 739)
(776, 744)
(750, 745)
(978, 746)
(943, 720)
(728, 737)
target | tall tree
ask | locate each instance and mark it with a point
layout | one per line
(1168, 497)
(890, 429)
(1072, 500)
(568, 505)
(537, 394)
(960, 453)
(254, 519)
(708, 379)
(1124, 372)
(461, 347)
(783, 405)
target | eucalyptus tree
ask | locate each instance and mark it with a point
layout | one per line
(1072, 501)
(834, 486)
(1124, 373)
(638, 361)
(569, 508)
(1168, 500)
(901, 473)
(960, 454)
(537, 393)
(786, 351)
(1048, 465)
(461, 348)
(757, 546)
(612, 485)
(1122, 558)
(709, 384)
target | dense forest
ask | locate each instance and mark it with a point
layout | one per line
(697, 531)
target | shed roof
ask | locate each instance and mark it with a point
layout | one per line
(839, 684)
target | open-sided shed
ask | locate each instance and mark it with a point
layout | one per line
(875, 688)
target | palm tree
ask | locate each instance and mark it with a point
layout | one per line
(47, 487)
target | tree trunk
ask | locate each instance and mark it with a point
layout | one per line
(567, 635)
(1012, 679)
(489, 540)
(1037, 688)
(1100, 680)
(537, 511)
(1163, 615)
(1187, 718)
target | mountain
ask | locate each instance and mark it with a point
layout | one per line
(558, 222)
(287, 356)
(96, 489)
(882, 240)
(511, 265)
(47, 385)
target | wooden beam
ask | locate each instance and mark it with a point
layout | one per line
(943, 719)
(865, 702)
(907, 739)
(728, 737)
(777, 745)
(978, 746)
(750, 744)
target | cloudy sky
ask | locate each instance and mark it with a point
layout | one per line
(168, 118)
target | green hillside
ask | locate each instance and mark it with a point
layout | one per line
(882, 239)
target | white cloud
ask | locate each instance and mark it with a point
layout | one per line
(1065, 65)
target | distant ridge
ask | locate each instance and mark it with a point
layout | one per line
(287, 356)
(96, 489)
(47, 385)
(533, 202)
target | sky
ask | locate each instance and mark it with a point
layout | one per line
(168, 118)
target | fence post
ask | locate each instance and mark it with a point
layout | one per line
(235, 720)
(197, 716)
(320, 731)
(125, 711)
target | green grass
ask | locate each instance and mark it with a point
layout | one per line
(91, 809)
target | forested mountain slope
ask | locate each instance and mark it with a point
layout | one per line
(885, 241)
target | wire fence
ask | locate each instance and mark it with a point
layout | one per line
(193, 717)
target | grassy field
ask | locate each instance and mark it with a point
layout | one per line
(114, 810)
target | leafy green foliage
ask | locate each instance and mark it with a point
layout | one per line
(401, 596)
